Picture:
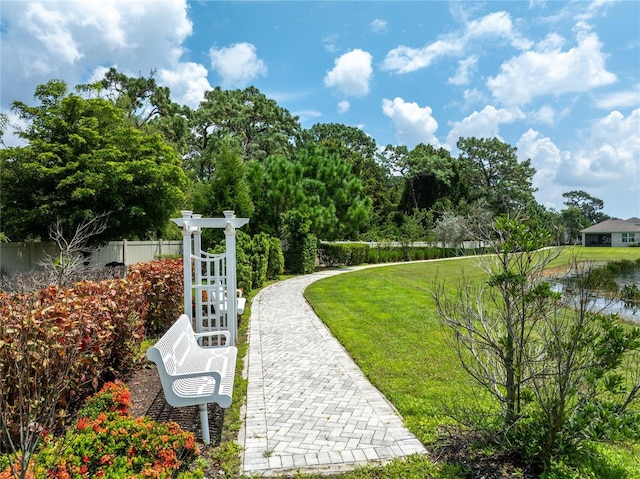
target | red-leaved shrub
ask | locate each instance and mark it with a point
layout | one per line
(164, 292)
(59, 345)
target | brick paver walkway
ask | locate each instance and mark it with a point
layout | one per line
(309, 407)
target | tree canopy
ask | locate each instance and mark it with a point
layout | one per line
(316, 183)
(83, 159)
(121, 146)
(491, 171)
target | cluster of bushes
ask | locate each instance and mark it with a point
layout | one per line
(350, 254)
(302, 244)
(107, 441)
(58, 345)
(259, 258)
(164, 292)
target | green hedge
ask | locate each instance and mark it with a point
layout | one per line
(343, 254)
(350, 254)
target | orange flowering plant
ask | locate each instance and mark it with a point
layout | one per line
(107, 441)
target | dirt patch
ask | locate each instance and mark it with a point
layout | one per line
(465, 449)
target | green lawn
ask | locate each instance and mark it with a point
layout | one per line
(386, 318)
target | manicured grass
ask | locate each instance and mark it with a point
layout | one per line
(386, 318)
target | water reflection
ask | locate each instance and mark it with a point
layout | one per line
(629, 310)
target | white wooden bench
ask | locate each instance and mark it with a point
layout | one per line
(221, 296)
(192, 375)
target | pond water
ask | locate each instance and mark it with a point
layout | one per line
(627, 310)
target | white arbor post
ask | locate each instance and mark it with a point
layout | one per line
(197, 276)
(232, 284)
(186, 262)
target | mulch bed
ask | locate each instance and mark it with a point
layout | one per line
(148, 400)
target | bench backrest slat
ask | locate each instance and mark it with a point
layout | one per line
(176, 344)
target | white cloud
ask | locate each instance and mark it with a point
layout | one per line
(536, 4)
(545, 115)
(343, 106)
(483, 124)
(351, 74)
(378, 25)
(413, 124)
(546, 158)
(609, 153)
(620, 99)
(52, 29)
(473, 96)
(187, 82)
(330, 42)
(404, 59)
(605, 164)
(237, 64)
(497, 24)
(307, 115)
(44, 40)
(465, 70)
(613, 147)
(550, 71)
(593, 8)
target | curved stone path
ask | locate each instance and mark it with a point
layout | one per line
(309, 407)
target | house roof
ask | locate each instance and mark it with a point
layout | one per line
(632, 225)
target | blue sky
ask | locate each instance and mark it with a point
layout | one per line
(559, 80)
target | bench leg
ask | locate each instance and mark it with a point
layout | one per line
(204, 422)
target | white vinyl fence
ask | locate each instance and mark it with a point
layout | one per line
(19, 257)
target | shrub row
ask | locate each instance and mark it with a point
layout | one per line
(59, 345)
(164, 292)
(331, 254)
(350, 254)
(106, 441)
(258, 259)
(65, 342)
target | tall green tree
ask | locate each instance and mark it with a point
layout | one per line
(141, 98)
(256, 124)
(348, 142)
(227, 189)
(359, 150)
(146, 104)
(319, 185)
(84, 158)
(431, 175)
(491, 171)
(276, 187)
(582, 210)
(589, 206)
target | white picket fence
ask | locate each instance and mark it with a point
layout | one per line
(19, 257)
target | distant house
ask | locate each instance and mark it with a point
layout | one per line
(612, 233)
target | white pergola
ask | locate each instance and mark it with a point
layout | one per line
(210, 281)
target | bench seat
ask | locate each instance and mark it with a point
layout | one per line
(193, 375)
